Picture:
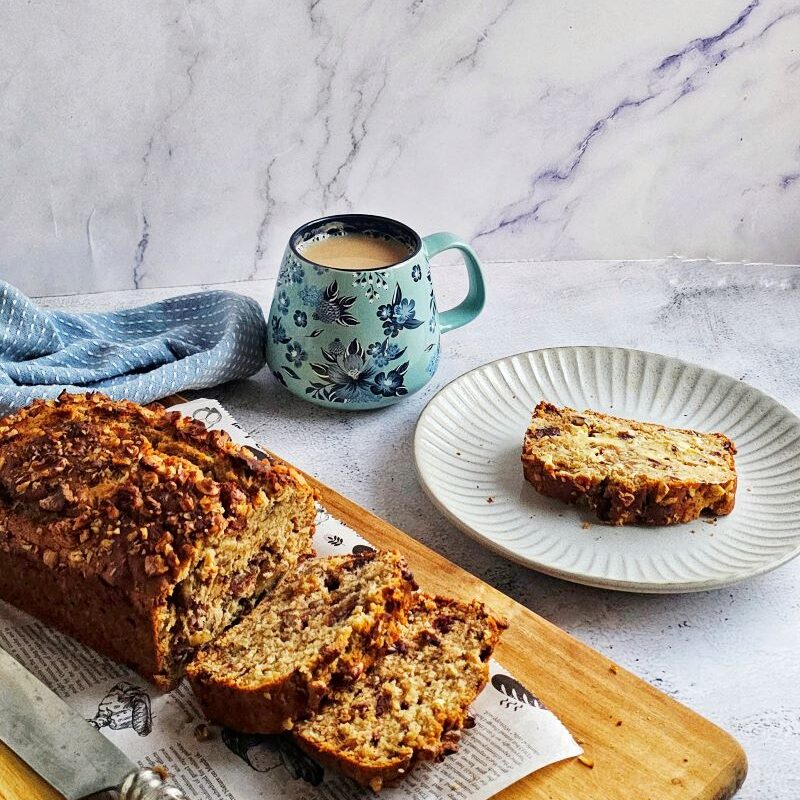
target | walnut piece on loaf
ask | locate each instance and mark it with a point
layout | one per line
(138, 531)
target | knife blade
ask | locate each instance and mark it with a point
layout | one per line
(58, 743)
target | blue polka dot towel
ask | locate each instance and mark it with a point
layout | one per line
(141, 354)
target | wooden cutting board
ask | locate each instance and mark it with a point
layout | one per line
(639, 743)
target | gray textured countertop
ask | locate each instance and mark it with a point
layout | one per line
(731, 654)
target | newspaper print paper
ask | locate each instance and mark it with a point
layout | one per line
(514, 733)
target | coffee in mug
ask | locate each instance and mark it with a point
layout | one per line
(355, 251)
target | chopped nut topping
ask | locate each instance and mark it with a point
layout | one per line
(207, 486)
(115, 489)
(154, 565)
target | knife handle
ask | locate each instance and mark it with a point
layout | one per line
(145, 784)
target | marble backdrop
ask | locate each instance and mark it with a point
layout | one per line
(169, 142)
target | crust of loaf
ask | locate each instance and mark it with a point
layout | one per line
(342, 653)
(423, 637)
(376, 776)
(112, 514)
(98, 615)
(620, 496)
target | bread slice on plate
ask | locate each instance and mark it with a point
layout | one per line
(412, 704)
(627, 471)
(321, 627)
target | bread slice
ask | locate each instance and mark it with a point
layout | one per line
(321, 627)
(628, 471)
(413, 702)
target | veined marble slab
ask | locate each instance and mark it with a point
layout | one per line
(177, 141)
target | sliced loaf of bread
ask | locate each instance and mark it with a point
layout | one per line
(411, 704)
(324, 624)
(627, 471)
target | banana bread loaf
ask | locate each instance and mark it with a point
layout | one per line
(138, 531)
(320, 628)
(412, 704)
(628, 471)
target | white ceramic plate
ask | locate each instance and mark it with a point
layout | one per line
(469, 438)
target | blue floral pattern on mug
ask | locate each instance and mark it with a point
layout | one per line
(283, 303)
(433, 319)
(330, 306)
(390, 384)
(295, 353)
(350, 374)
(383, 352)
(398, 315)
(433, 364)
(373, 281)
(291, 271)
(296, 272)
(310, 296)
(367, 373)
(278, 331)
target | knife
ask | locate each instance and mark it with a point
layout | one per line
(58, 743)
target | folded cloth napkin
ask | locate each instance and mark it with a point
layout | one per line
(141, 354)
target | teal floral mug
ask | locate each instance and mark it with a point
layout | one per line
(360, 339)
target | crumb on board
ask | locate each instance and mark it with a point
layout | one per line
(612, 668)
(586, 761)
(490, 499)
(458, 452)
(585, 524)
(619, 722)
(202, 732)
(709, 520)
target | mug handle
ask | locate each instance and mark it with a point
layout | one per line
(472, 304)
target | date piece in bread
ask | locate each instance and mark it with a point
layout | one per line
(412, 704)
(628, 471)
(321, 627)
(138, 531)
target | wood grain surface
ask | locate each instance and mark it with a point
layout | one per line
(639, 743)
